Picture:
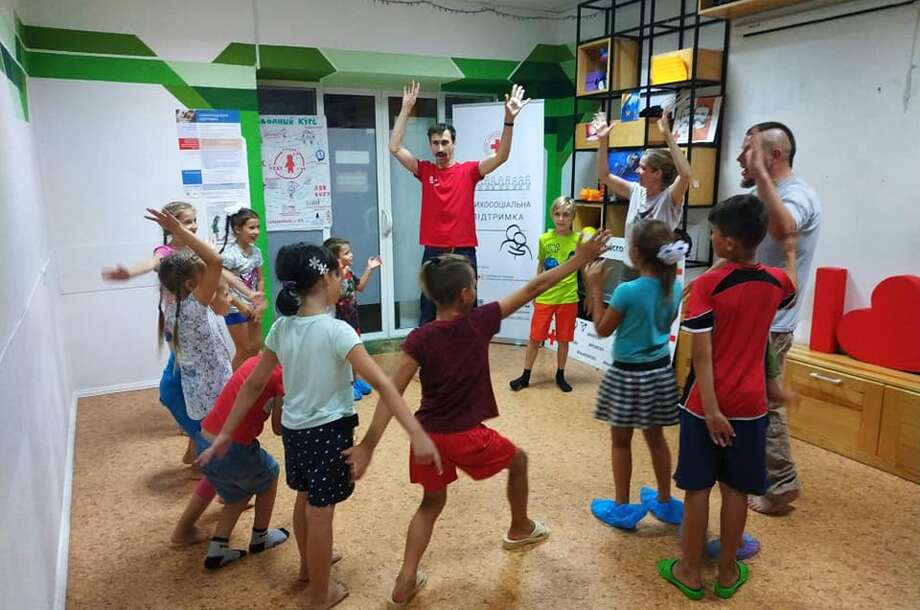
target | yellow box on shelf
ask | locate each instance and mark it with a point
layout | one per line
(677, 66)
(630, 134)
(585, 136)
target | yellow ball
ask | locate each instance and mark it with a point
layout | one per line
(587, 233)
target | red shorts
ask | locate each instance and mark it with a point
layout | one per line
(565, 321)
(479, 452)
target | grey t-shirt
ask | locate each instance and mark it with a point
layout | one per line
(805, 207)
(643, 207)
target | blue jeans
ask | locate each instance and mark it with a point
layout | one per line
(427, 309)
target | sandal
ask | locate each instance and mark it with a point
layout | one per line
(420, 580)
(726, 592)
(539, 534)
(666, 571)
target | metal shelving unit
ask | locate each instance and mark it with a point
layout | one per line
(686, 27)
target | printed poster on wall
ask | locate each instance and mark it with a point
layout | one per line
(295, 173)
(213, 164)
(509, 202)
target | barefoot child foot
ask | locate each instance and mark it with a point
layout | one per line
(304, 575)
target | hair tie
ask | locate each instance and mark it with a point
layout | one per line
(672, 253)
(233, 209)
(318, 266)
(289, 285)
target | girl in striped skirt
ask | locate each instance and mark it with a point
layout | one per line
(639, 391)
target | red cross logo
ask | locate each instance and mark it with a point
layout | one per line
(494, 145)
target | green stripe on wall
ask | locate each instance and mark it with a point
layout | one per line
(249, 125)
(84, 41)
(237, 54)
(293, 63)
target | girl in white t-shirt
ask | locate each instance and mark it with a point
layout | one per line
(664, 178)
(197, 297)
(317, 352)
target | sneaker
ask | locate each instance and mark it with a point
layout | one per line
(671, 511)
(356, 393)
(750, 546)
(622, 516)
(363, 386)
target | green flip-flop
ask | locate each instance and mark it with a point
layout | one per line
(666, 571)
(743, 574)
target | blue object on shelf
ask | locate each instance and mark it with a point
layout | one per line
(624, 163)
(629, 109)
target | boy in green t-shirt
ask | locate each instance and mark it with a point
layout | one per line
(560, 301)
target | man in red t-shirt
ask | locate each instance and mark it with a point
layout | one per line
(448, 219)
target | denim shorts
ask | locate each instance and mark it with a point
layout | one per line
(173, 399)
(245, 470)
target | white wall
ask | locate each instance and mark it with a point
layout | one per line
(37, 394)
(199, 31)
(840, 86)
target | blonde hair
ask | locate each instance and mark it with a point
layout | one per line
(647, 237)
(660, 159)
(564, 204)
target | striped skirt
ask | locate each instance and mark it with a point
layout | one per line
(638, 395)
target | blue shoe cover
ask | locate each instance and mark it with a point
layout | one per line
(622, 516)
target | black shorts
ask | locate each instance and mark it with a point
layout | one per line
(742, 465)
(313, 460)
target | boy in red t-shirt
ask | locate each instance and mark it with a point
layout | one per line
(246, 469)
(452, 354)
(723, 423)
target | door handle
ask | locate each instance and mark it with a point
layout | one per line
(386, 224)
(827, 379)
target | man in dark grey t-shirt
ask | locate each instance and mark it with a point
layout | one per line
(793, 208)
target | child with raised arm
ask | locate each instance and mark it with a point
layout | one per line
(638, 390)
(560, 301)
(723, 422)
(664, 178)
(452, 357)
(346, 308)
(318, 420)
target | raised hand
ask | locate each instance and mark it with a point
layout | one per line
(753, 155)
(410, 94)
(601, 127)
(118, 272)
(664, 123)
(590, 249)
(166, 220)
(593, 273)
(374, 262)
(514, 103)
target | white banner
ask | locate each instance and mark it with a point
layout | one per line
(295, 172)
(510, 202)
(587, 346)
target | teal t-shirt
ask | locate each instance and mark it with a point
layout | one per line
(555, 249)
(643, 333)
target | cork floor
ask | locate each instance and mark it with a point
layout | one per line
(852, 541)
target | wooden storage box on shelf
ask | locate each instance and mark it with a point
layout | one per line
(740, 8)
(615, 219)
(619, 69)
(709, 66)
(703, 166)
(631, 134)
(588, 215)
(581, 137)
(865, 412)
(593, 59)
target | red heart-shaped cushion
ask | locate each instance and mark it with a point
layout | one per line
(888, 332)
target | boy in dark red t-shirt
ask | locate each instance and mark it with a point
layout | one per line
(246, 469)
(723, 423)
(451, 354)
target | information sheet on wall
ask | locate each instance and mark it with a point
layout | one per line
(509, 202)
(213, 164)
(295, 173)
